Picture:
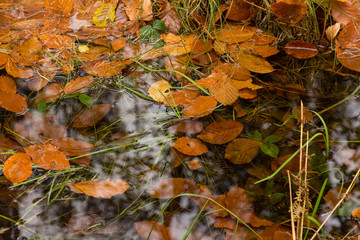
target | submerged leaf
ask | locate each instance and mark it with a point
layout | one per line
(300, 49)
(221, 132)
(89, 117)
(253, 63)
(171, 187)
(242, 150)
(100, 189)
(151, 230)
(18, 168)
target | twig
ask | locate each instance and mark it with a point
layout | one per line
(291, 208)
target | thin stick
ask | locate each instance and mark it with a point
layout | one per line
(338, 204)
(291, 208)
(305, 185)
(300, 168)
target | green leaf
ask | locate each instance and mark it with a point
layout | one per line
(149, 33)
(103, 13)
(257, 136)
(270, 149)
(41, 106)
(272, 139)
(159, 25)
(86, 100)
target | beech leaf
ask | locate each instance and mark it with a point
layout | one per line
(190, 146)
(103, 13)
(100, 189)
(17, 168)
(221, 132)
(242, 150)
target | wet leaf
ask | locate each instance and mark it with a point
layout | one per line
(171, 187)
(105, 12)
(17, 71)
(235, 71)
(153, 230)
(180, 45)
(103, 68)
(188, 126)
(300, 49)
(18, 168)
(356, 213)
(193, 164)
(223, 90)
(73, 147)
(332, 31)
(240, 11)
(221, 132)
(59, 6)
(86, 100)
(100, 189)
(27, 53)
(270, 149)
(345, 12)
(57, 41)
(139, 9)
(245, 84)
(49, 93)
(47, 157)
(289, 11)
(348, 47)
(292, 166)
(89, 117)
(190, 146)
(180, 97)
(242, 150)
(13, 102)
(240, 112)
(247, 93)
(7, 84)
(158, 90)
(253, 63)
(3, 58)
(200, 107)
(79, 85)
(118, 44)
(232, 33)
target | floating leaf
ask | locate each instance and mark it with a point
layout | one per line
(100, 189)
(89, 117)
(47, 157)
(13, 102)
(189, 126)
(105, 12)
(300, 49)
(157, 90)
(171, 187)
(253, 63)
(193, 164)
(190, 146)
(221, 132)
(200, 107)
(242, 150)
(18, 168)
(79, 85)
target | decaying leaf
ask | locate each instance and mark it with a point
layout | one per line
(190, 146)
(253, 63)
(17, 71)
(103, 68)
(290, 10)
(13, 102)
(118, 44)
(180, 45)
(27, 53)
(221, 132)
(18, 168)
(48, 157)
(138, 9)
(59, 6)
(171, 187)
(57, 41)
(100, 189)
(193, 164)
(223, 90)
(158, 90)
(188, 126)
(49, 93)
(89, 117)
(242, 150)
(200, 107)
(79, 85)
(300, 49)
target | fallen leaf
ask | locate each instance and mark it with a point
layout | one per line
(190, 146)
(139, 9)
(292, 166)
(247, 93)
(356, 213)
(118, 44)
(153, 230)
(332, 31)
(189, 126)
(221, 132)
(105, 12)
(253, 63)
(7, 84)
(89, 117)
(180, 45)
(18, 168)
(100, 189)
(200, 107)
(345, 12)
(73, 147)
(171, 187)
(79, 85)
(223, 90)
(170, 17)
(242, 150)
(300, 49)
(59, 6)
(289, 10)
(193, 164)
(180, 97)
(240, 112)
(103, 68)
(47, 157)
(13, 102)
(49, 93)
(245, 84)
(235, 71)
(27, 53)
(17, 71)
(3, 58)
(57, 41)
(240, 11)
(232, 33)
(158, 90)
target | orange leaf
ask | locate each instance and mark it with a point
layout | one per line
(118, 44)
(240, 11)
(7, 84)
(13, 102)
(138, 9)
(171, 187)
(47, 157)
(247, 93)
(100, 189)
(221, 132)
(240, 112)
(232, 33)
(291, 11)
(179, 45)
(356, 212)
(59, 6)
(180, 97)
(89, 117)
(18, 168)
(200, 107)
(235, 71)
(73, 147)
(3, 58)
(49, 93)
(300, 49)
(242, 150)
(79, 85)
(193, 164)
(190, 146)
(157, 90)
(188, 126)
(28, 52)
(57, 41)
(253, 63)
(245, 84)
(16, 71)
(224, 91)
(153, 230)
(103, 68)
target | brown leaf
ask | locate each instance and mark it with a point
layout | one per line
(17, 71)
(57, 41)
(18, 168)
(180, 45)
(235, 71)
(103, 68)
(118, 44)
(293, 165)
(91, 53)
(49, 93)
(27, 53)
(180, 97)
(253, 63)
(13, 102)
(82, 161)
(79, 85)
(200, 107)
(100, 189)
(7, 84)
(240, 112)
(189, 126)
(332, 31)
(47, 157)
(300, 49)
(170, 17)
(73, 147)
(3, 58)
(193, 164)
(190, 146)
(221, 132)
(247, 93)
(138, 9)
(158, 90)
(345, 12)
(232, 33)
(242, 150)
(289, 10)
(223, 90)
(89, 117)
(59, 6)
(153, 230)
(171, 187)
(240, 11)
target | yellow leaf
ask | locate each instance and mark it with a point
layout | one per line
(103, 13)
(157, 91)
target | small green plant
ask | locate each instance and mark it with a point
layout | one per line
(268, 146)
(151, 33)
